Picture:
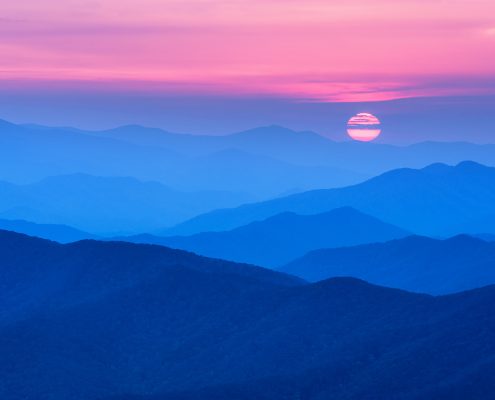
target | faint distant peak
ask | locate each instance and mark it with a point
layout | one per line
(462, 167)
(346, 213)
(134, 128)
(438, 168)
(78, 178)
(276, 131)
(6, 124)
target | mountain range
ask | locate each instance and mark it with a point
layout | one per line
(283, 237)
(438, 200)
(415, 263)
(264, 162)
(308, 148)
(38, 274)
(31, 153)
(109, 320)
(57, 233)
(107, 204)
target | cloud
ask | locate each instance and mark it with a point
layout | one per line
(313, 49)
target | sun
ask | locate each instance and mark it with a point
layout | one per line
(364, 127)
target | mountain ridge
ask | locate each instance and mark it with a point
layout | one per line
(415, 263)
(110, 320)
(53, 232)
(102, 204)
(283, 237)
(29, 154)
(461, 196)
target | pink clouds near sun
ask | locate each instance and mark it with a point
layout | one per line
(310, 50)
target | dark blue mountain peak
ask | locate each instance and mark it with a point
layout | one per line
(96, 320)
(345, 282)
(464, 238)
(350, 287)
(6, 234)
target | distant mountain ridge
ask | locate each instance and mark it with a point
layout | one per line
(283, 237)
(438, 200)
(275, 159)
(271, 137)
(415, 263)
(31, 153)
(106, 204)
(57, 233)
(310, 148)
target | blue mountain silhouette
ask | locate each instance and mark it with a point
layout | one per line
(283, 237)
(106, 204)
(107, 320)
(57, 233)
(414, 263)
(30, 153)
(436, 200)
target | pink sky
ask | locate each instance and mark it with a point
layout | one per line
(317, 50)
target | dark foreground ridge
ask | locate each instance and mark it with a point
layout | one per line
(107, 320)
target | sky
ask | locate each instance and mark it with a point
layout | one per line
(299, 51)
